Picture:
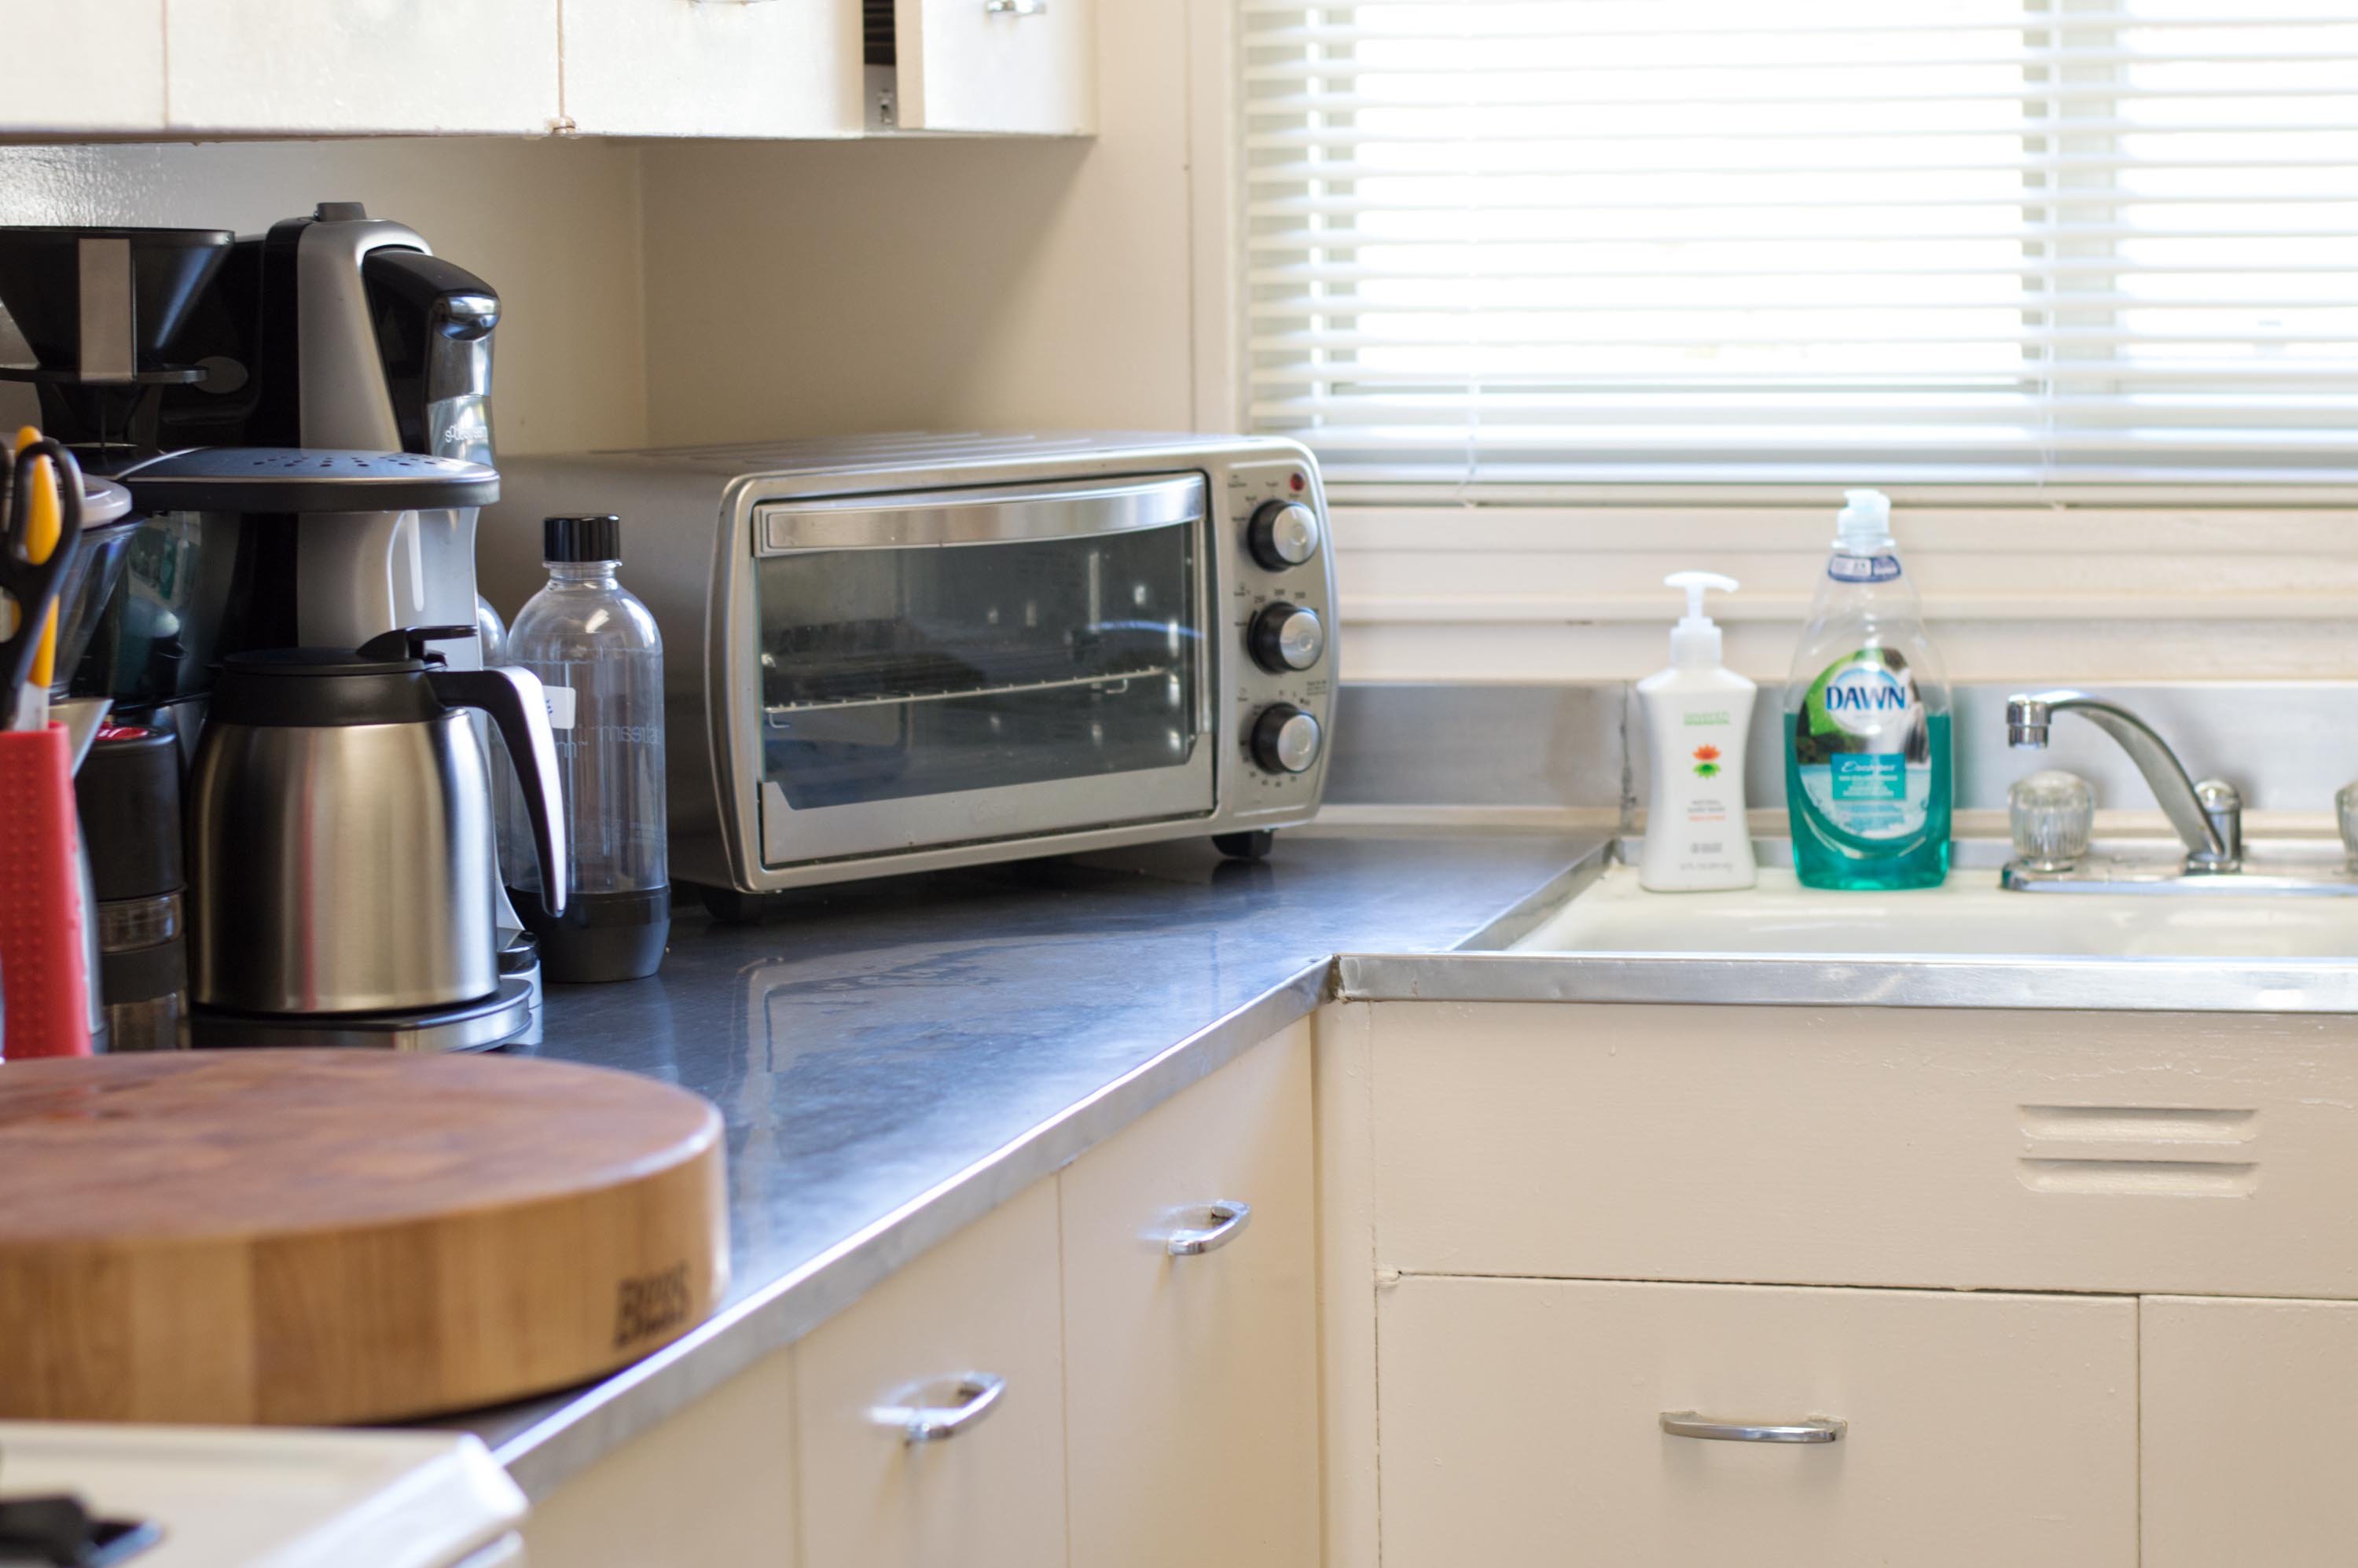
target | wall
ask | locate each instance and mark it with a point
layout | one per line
(553, 226)
(816, 288)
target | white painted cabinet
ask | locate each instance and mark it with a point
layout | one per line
(311, 67)
(1193, 1379)
(976, 1313)
(712, 67)
(1022, 66)
(711, 1487)
(1522, 1424)
(90, 65)
(2249, 1454)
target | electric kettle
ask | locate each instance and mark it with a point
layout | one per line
(339, 834)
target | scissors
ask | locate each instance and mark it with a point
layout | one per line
(33, 587)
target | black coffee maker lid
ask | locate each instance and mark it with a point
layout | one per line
(306, 479)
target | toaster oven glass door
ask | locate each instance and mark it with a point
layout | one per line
(957, 666)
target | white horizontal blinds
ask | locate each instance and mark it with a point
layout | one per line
(1532, 241)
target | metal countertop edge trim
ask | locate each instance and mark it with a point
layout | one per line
(601, 1419)
(1919, 980)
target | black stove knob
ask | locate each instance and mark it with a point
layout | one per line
(1284, 535)
(1287, 637)
(1286, 740)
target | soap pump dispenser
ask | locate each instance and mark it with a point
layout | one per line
(1698, 714)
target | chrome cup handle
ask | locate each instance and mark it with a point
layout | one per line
(516, 702)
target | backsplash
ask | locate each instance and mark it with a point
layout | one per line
(1581, 746)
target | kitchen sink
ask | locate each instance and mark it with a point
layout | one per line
(1971, 913)
(1596, 936)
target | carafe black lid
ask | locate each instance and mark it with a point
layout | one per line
(306, 479)
(381, 682)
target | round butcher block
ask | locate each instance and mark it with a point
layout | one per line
(329, 1237)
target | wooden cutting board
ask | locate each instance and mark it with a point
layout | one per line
(328, 1237)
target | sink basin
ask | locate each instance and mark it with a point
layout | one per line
(1971, 914)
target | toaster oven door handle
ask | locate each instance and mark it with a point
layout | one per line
(978, 516)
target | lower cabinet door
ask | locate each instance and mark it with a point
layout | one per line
(2249, 1452)
(711, 1487)
(1523, 1421)
(930, 1428)
(1192, 1375)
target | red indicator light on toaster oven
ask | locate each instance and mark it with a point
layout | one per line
(1296, 484)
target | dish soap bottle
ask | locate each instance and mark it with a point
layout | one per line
(1697, 715)
(598, 652)
(1866, 721)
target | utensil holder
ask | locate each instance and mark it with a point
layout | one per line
(43, 975)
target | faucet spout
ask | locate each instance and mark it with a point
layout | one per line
(2209, 822)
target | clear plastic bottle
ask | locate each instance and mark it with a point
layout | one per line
(1868, 781)
(596, 650)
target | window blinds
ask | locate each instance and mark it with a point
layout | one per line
(1942, 241)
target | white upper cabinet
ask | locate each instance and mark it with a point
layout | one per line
(1022, 66)
(712, 67)
(355, 65)
(92, 65)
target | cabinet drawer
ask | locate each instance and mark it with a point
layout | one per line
(1868, 1146)
(1522, 1423)
(2247, 1451)
(997, 65)
(712, 67)
(362, 65)
(991, 1495)
(1193, 1379)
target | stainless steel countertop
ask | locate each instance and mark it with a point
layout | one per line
(894, 1059)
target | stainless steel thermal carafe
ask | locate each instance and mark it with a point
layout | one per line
(340, 827)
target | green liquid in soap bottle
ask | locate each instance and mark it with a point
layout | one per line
(1867, 762)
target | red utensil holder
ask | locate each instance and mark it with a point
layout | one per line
(42, 968)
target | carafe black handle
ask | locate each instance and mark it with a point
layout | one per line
(518, 704)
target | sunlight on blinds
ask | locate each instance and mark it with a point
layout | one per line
(1540, 241)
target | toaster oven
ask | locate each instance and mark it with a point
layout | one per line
(903, 653)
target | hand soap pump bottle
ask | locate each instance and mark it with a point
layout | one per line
(1697, 715)
(1866, 721)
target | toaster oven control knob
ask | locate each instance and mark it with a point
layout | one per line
(1284, 534)
(1285, 739)
(1287, 637)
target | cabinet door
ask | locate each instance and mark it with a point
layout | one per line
(2247, 1447)
(997, 64)
(711, 1487)
(306, 66)
(980, 1308)
(1193, 1379)
(1522, 1422)
(91, 65)
(712, 67)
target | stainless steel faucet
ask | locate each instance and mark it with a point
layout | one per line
(2209, 816)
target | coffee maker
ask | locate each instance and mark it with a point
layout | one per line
(334, 333)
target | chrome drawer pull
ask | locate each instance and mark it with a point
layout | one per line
(1230, 1218)
(1014, 7)
(1816, 1429)
(972, 1396)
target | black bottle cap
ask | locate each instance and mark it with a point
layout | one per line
(128, 795)
(581, 538)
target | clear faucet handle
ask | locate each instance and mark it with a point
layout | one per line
(2345, 813)
(2051, 813)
